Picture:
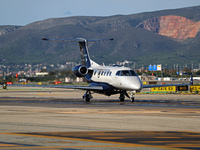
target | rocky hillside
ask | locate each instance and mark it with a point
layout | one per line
(167, 37)
(177, 27)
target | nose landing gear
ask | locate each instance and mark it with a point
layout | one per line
(87, 96)
(132, 97)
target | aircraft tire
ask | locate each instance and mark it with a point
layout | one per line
(87, 98)
(122, 100)
(122, 97)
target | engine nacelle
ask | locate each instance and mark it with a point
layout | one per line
(80, 71)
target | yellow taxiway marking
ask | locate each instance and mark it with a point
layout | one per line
(170, 139)
(7, 145)
(69, 138)
(113, 144)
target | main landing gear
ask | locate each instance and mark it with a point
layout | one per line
(123, 94)
(122, 97)
(87, 96)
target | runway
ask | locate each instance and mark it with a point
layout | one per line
(60, 119)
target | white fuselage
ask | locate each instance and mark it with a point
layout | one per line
(119, 77)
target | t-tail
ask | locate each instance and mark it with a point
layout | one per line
(85, 57)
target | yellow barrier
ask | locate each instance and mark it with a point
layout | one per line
(194, 88)
(164, 89)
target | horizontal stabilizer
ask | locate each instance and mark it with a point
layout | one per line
(78, 40)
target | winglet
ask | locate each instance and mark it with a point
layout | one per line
(191, 81)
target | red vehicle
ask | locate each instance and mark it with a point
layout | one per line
(9, 83)
(57, 82)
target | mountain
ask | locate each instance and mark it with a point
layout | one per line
(7, 29)
(164, 37)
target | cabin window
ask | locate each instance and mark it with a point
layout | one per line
(107, 73)
(110, 73)
(102, 73)
(95, 73)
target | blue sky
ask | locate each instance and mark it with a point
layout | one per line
(22, 12)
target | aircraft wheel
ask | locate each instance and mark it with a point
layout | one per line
(122, 97)
(87, 98)
(132, 99)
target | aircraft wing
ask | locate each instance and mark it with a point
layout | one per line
(162, 85)
(93, 88)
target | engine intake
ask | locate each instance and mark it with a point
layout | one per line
(80, 71)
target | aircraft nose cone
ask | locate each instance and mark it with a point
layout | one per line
(134, 84)
(137, 85)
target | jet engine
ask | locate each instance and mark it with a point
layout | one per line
(80, 71)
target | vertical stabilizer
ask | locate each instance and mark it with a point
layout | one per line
(85, 58)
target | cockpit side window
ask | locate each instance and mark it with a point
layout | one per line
(133, 73)
(118, 73)
(126, 73)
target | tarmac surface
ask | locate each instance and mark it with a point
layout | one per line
(58, 119)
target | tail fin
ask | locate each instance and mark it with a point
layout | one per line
(85, 58)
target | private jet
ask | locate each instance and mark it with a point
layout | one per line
(107, 80)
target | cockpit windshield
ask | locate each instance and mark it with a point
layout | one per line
(126, 73)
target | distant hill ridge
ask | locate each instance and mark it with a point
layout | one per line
(168, 36)
(6, 29)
